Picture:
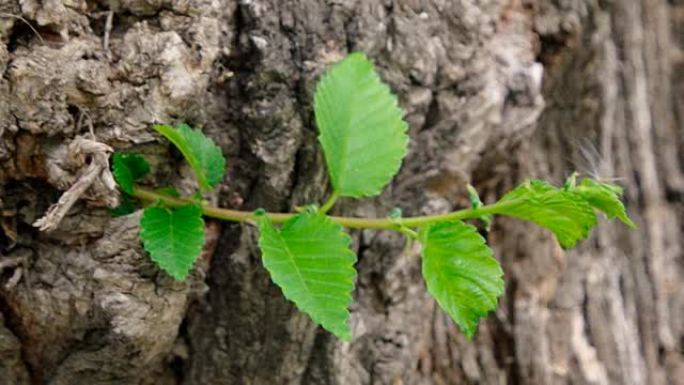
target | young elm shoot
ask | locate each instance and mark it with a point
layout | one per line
(307, 253)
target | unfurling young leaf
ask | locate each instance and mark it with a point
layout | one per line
(361, 128)
(309, 258)
(173, 237)
(563, 212)
(460, 272)
(203, 155)
(604, 197)
(476, 203)
(128, 168)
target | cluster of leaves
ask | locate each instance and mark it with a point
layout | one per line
(364, 140)
(173, 236)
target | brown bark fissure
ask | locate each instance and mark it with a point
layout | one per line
(91, 308)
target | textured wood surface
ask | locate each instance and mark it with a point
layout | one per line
(495, 91)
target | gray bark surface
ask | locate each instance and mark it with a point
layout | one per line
(495, 91)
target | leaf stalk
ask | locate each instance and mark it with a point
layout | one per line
(329, 203)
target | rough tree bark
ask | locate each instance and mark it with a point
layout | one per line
(495, 91)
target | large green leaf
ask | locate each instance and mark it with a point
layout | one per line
(203, 155)
(127, 168)
(604, 197)
(361, 128)
(173, 237)
(309, 258)
(460, 272)
(563, 212)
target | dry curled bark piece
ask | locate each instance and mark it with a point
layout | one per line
(17, 263)
(83, 165)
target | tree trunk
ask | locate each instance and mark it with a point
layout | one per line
(495, 91)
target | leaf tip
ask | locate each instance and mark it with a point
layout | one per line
(345, 336)
(469, 333)
(628, 221)
(178, 276)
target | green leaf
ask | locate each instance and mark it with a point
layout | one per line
(203, 155)
(361, 128)
(476, 203)
(309, 258)
(460, 272)
(127, 168)
(126, 207)
(566, 214)
(169, 191)
(173, 237)
(604, 197)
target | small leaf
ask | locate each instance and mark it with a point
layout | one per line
(460, 272)
(126, 207)
(128, 168)
(309, 258)
(395, 213)
(173, 237)
(566, 214)
(476, 203)
(361, 128)
(203, 155)
(604, 197)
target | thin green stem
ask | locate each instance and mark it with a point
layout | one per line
(408, 232)
(350, 222)
(329, 203)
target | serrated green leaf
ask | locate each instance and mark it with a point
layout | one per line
(460, 272)
(309, 258)
(604, 197)
(566, 214)
(127, 168)
(173, 237)
(203, 155)
(361, 128)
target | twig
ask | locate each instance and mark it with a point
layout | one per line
(97, 171)
(350, 222)
(57, 211)
(91, 129)
(107, 30)
(16, 263)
